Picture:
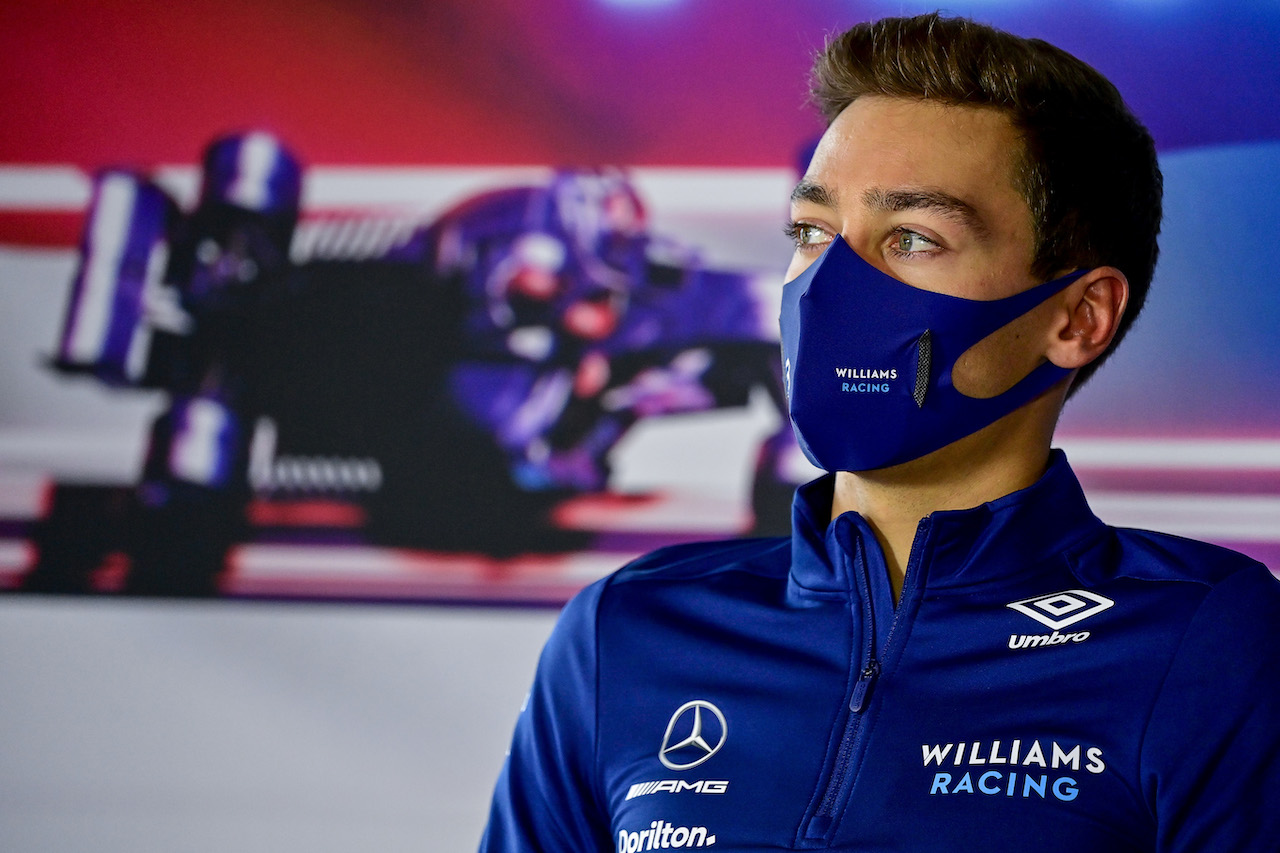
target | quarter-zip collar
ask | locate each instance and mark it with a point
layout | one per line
(972, 546)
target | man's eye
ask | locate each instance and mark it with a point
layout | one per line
(909, 243)
(804, 235)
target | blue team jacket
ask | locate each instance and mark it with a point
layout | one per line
(1046, 683)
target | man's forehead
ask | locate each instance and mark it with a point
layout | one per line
(901, 142)
(889, 155)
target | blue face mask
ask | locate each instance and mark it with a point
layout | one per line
(867, 362)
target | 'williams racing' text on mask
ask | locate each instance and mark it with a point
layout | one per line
(867, 362)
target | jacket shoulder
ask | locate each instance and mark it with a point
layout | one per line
(768, 556)
(1146, 555)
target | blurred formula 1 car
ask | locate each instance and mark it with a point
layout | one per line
(457, 379)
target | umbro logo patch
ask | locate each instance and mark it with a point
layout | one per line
(1058, 610)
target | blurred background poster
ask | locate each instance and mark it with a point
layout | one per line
(474, 302)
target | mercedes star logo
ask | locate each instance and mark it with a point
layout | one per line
(695, 735)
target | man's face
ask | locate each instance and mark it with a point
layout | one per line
(922, 191)
(925, 192)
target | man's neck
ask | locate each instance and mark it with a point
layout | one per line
(1009, 455)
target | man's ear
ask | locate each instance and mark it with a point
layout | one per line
(1091, 308)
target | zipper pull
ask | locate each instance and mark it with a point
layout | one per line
(862, 690)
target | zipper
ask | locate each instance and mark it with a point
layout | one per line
(861, 690)
(859, 696)
(819, 826)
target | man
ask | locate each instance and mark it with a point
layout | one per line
(951, 652)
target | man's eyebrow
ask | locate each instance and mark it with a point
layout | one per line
(926, 199)
(809, 191)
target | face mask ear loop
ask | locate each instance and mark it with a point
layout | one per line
(1044, 374)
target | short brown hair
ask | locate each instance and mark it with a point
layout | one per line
(1088, 170)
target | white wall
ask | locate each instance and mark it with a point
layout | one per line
(147, 726)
